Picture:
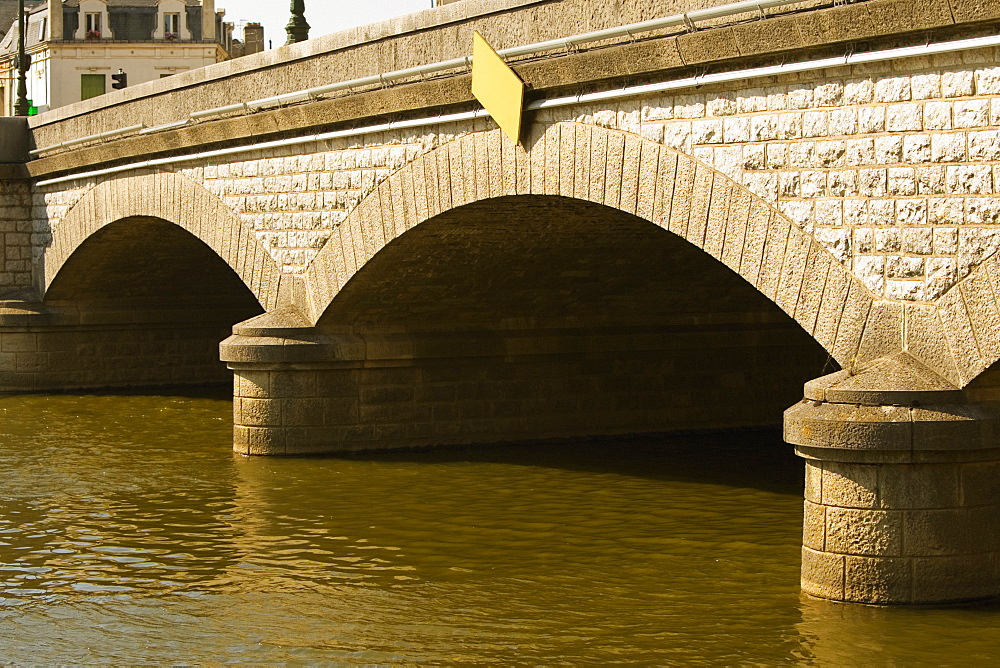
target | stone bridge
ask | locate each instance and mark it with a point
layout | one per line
(696, 221)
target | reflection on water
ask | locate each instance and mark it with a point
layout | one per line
(129, 532)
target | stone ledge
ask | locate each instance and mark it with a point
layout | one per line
(892, 429)
(899, 380)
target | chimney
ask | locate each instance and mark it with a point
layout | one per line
(253, 38)
(207, 20)
(55, 19)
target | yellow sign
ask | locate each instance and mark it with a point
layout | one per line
(497, 87)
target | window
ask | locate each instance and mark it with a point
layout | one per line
(172, 25)
(42, 25)
(91, 85)
(93, 24)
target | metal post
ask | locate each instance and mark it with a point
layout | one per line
(23, 62)
(297, 28)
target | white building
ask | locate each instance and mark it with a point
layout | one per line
(76, 45)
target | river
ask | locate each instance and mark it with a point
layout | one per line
(130, 533)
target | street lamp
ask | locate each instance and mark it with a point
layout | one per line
(297, 28)
(21, 105)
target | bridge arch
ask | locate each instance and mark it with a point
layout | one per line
(629, 174)
(175, 199)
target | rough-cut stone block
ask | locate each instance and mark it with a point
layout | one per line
(883, 332)
(980, 483)
(864, 532)
(877, 580)
(823, 574)
(958, 329)
(707, 46)
(943, 532)
(813, 526)
(953, 578)
(814, 481)
(259, 412)
(850, 485)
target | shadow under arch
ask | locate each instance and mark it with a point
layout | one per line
(176, 200)
(540, 316)
(629, 174)
(145, 302)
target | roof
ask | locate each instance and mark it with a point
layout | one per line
(8, 12)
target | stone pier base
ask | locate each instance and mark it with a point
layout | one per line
(54, 347)
(902, 496)
(299, 390)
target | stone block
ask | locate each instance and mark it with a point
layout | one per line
(894, 16)
(971, 113)
(259, 412)
(947, 531)
(310, 440)
(876, 533)
(855, 314)
(831, 308)
(848, 427)
(767, 36)
(715, 225)
(813, 526)
(386, 394)
(888, 150)
(970, 11)
(980, 483)
(252, 384)
(953, 578)
(850, 485)
(983, 312)
(835, 25)
(926, 342)
(301, 412)
(823, 574)
(957, 83)
(292, 384)
(904, 118)
(919, 486)
(814, 482)
(875, 580)
(258, 440)
(883, 333)
(708, 45)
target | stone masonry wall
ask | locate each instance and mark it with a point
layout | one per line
(889, 165)
(60, 348)
(15, 229)
(544, 387)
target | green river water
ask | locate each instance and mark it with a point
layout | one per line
(130, 533)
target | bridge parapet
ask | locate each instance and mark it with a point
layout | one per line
(445, 34)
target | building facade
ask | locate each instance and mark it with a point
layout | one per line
(76, 45)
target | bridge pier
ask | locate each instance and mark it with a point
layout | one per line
(45, 346)
(902, 496)
(301, 390)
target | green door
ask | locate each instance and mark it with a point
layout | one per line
(91, 85)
